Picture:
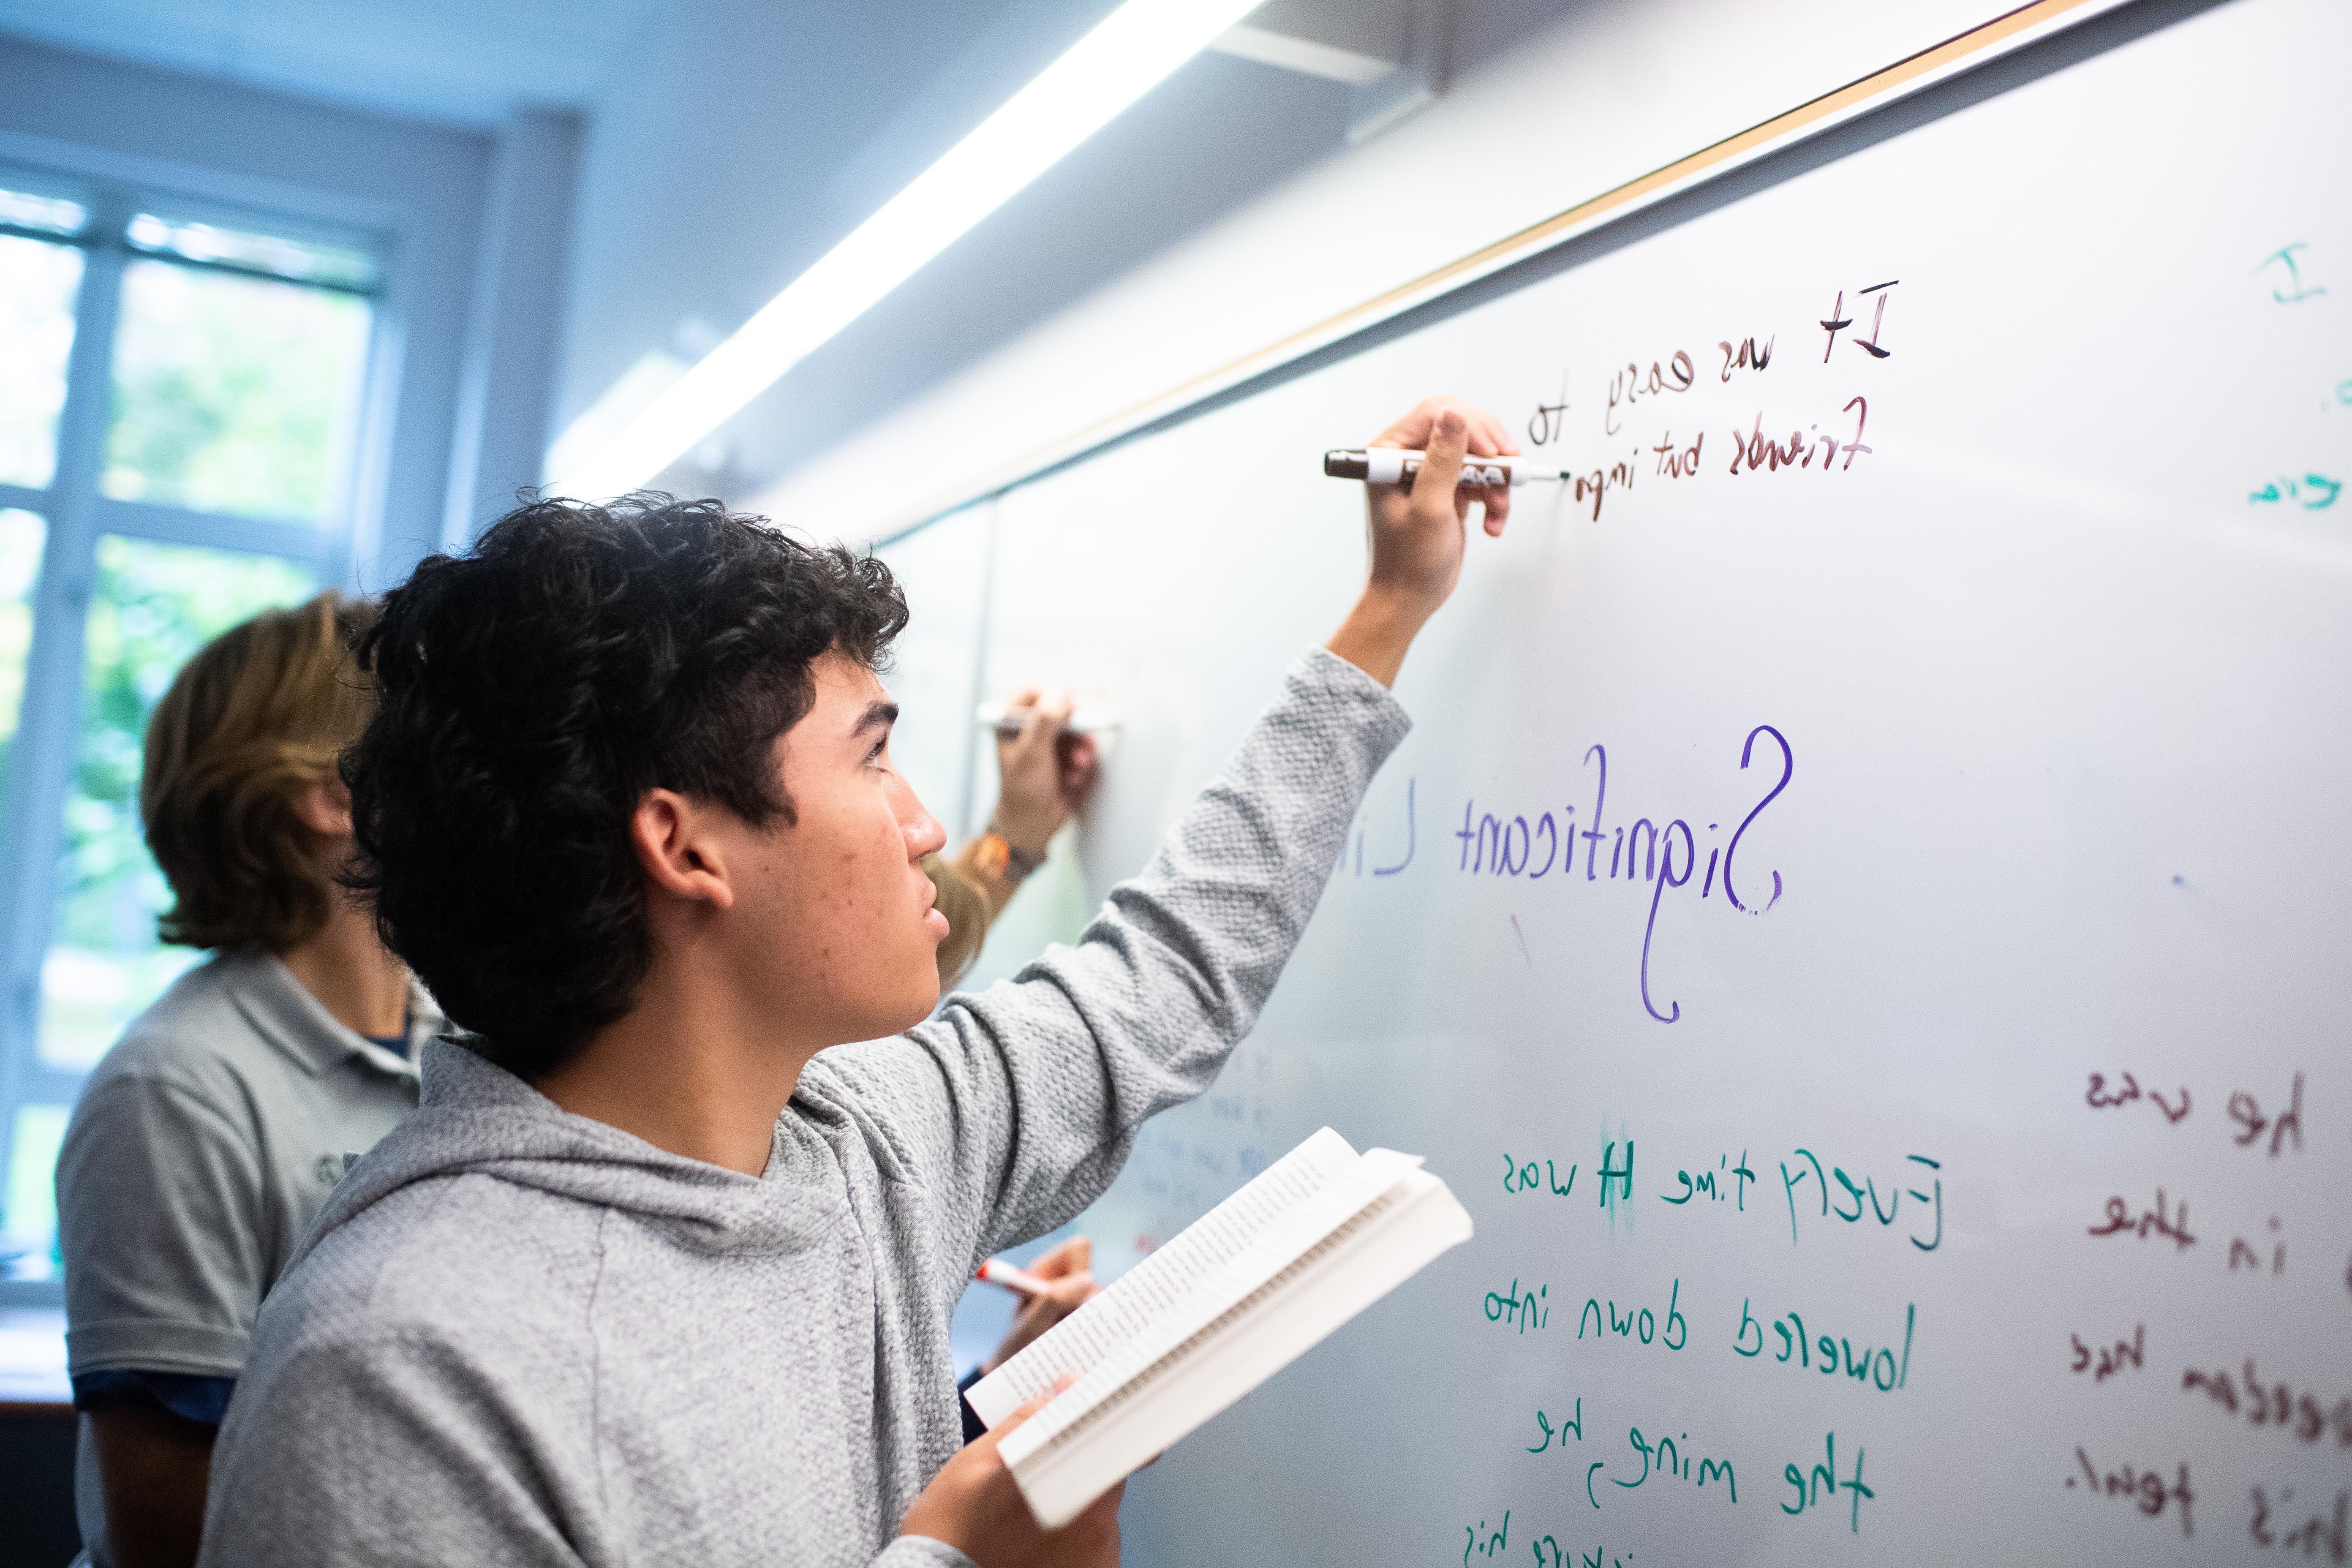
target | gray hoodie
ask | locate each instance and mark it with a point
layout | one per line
(520, 1336)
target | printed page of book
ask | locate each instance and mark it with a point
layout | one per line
(1080, 1342)
(1291, 1234)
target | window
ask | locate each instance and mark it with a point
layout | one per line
(38, 282)
(228, 391)
(179, 395)
(20, 563)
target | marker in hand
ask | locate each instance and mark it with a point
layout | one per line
(1395, 466)
(1007, 1276)
(1007, 720)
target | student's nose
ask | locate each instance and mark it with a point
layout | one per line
(925, 835)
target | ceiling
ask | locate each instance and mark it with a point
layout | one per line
(462, 61)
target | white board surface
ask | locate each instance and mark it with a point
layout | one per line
(934, 665)
(2047, 743)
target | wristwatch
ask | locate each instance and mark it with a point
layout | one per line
(995, 853)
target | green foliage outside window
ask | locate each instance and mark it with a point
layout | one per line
(231, 393)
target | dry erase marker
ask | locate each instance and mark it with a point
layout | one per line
(1395, 466)
(1011, 1278)
(1007, 720)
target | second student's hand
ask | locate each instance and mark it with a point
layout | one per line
(974, 1505)
(1069, 1284)
(1046, 771)
(1418, 535)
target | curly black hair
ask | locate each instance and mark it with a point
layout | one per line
(529, 691)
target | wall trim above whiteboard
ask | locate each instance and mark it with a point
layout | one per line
(1964, 52)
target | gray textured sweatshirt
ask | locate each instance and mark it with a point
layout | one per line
(520, 1336)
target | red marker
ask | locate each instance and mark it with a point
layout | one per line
(1005, 1274)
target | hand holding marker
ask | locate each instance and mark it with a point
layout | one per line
(1007, 719)
(1061, 1282)
(1394, 465)
(996, 1271)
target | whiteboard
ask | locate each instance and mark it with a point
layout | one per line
(934, 672)
(934, 666)
(2022, 1001)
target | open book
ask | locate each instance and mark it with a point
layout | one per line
(1245, 1291)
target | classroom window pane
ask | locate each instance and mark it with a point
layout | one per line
(39, 282)
(302, 261)
(55, 215)
(153, 606)
(21, 533)
(232, 394)
(29, 1229)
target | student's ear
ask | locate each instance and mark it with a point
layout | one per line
(680, 857)
(325, 809)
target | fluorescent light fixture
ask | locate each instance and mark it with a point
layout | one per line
(636, 390)
(1132, 50)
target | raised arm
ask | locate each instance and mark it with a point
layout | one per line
(1416, 531)
(1022, 1102)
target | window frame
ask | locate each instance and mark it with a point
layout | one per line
(74, 515)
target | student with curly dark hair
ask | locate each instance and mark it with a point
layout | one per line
(211, 1134)
(661, 1271)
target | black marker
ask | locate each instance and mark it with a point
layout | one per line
(1395, 466)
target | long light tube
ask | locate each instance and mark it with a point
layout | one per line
(1131, 51)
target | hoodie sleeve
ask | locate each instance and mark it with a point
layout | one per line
(1017, 1105)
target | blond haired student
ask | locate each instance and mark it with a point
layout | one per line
(210, 1135)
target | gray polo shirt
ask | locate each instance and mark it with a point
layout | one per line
(201, 1146)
